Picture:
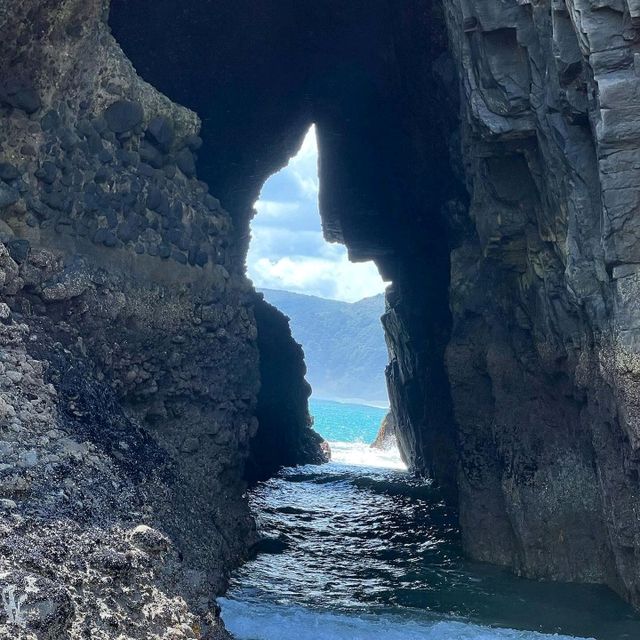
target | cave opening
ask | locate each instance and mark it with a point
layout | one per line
(334, 308)
(391, 186)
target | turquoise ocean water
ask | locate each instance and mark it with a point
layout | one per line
(342, 422)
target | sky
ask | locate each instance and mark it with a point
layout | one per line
(287, 249)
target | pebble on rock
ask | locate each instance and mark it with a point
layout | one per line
(161, 132)
(123, 115)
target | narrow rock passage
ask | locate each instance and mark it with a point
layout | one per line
(365, 551)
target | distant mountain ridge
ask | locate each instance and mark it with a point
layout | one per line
(343, 343)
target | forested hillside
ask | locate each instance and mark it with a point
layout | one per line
(343, 343)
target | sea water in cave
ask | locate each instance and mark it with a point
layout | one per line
(364, 550)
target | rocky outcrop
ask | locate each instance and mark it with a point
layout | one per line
(129, 366)
(282, 402)
(83, 553)
(386, 438)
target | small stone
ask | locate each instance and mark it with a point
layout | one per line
(68, 139)
(161, 132)
(18, 249)
(102, 175)
(8, 196)
(110, 239)
(105, 157)
(154, 199)
(123, 115)
(5, 312)
(202, 258)
(179, 257)
(28, 150)
(6, 412)
(193, 142)
(28, 459)
(85, 128)
(7, 505)
(111, 561)
(150, 155)
(100, 125)
(47, 172)
(50, 121)
(148, 539)
(186, 163)
(146, 170)
(8, 172)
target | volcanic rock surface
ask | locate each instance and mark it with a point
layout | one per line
(485, 154)
(129, 367)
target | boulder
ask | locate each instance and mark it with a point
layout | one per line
(123, 116)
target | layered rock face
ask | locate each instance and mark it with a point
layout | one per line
(543, 357)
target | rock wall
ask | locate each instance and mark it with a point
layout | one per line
(543, 358)
(282, 401)
(129, 364)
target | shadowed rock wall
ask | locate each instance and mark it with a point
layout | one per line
(543, 358)
(282, 402)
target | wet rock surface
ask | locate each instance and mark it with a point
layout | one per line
(543, 355)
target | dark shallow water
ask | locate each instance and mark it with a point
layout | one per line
(365, 551)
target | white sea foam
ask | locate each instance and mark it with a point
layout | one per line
(266, 621)
(362, 455)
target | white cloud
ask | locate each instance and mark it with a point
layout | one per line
(275, 209)
(288, 250)
(337, 279)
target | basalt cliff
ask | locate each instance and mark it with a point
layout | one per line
(486, 155)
